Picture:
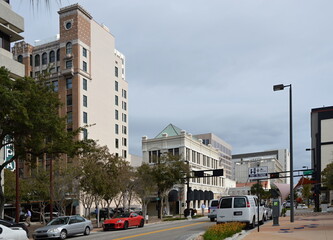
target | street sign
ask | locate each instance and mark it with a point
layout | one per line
(258, 173)
(9, 153)
(308, 172)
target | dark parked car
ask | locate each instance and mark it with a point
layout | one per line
(14, 224)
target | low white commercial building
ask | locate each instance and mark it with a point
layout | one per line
(199, 156)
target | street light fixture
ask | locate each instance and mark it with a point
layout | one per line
(279, 87)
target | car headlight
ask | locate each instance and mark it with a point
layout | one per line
(119, 221)
(53, 230)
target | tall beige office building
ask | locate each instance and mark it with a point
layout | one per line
(11, 25)
(89, 75)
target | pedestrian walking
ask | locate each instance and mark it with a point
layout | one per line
(28, 217)
(147, 218)
(203, 206)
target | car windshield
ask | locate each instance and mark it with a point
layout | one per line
(123, 215)
(59, 221)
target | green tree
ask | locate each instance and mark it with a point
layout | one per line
(306, 192)
(145, 186)
(327, 176)
(29, 121)
(168, 171)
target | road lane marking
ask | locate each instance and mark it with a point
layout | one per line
(163, 230)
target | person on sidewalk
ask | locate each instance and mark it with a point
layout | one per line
(203, 206)
(28, 217)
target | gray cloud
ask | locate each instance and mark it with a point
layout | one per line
(209, 66)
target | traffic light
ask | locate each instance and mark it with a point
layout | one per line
(274, 175)
(198, 173)
(218, 172)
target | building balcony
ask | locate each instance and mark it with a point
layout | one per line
(69, 72)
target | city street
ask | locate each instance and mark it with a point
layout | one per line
(175, 230)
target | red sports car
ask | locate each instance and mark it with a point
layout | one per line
(124, 221)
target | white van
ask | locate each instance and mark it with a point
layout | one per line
(240, 209)
(213, 205)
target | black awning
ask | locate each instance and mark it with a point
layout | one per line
(173, 196)
(201, 195)
(196, 195)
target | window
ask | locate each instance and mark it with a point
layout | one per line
(85, 117)
(37, 60)
(84, 52)
(124, 154)
(124, 105)
(117, 143)
(30, 60)
(44, 58)
(116, 86)
(239, 203)
(85, 101)
(58, 55)
(124, 130)
(68, 25)
(116, 71)
(124, 117)
(55, 86)
(124, 94)
(37, 74)
(52, 57)
(116, 114)
(116, 100)
(69, 83)
(69, 64)
(69, 48)
(20, 58)
(116, 128)
(154, 156)
(124, 142)
(69, 100)
(85, 84)
(85, 67)
(69, 117)
(85, 134)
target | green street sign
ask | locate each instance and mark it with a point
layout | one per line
(308, 172)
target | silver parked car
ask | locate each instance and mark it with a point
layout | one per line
(64, 226)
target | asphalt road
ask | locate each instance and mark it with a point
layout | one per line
(175, 230)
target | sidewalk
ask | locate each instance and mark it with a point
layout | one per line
(307, 226)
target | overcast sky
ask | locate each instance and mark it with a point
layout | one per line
(210, 66)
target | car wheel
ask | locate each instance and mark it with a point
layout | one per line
(125, 225)
(212, 219)
(253, 224)
(262, 220)
(142, 223)
(86, 231)
(63, 234)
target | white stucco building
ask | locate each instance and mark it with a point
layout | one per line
(199, 156)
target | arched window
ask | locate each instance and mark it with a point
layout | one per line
(37, 60)
(44, 58)
(69, 48)
(52, 57)
(58, 55)
(20, 58)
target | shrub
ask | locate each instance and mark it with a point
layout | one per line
(223, 230)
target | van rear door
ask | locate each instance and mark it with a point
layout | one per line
(240, 212)
(225, 211)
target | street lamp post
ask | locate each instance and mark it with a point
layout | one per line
(278, 88)
(316, 176)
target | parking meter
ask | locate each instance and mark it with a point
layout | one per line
(276, 212)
